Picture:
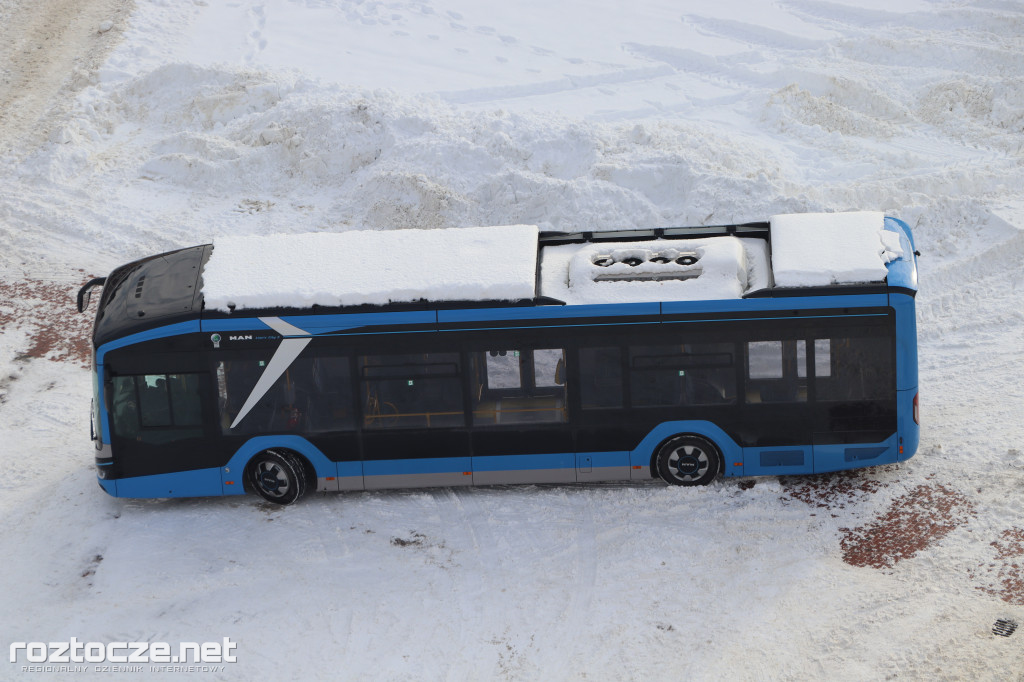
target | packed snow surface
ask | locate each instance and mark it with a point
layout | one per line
(818, 249)
(190, 121)
(372, 267)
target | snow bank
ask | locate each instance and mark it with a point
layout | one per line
(818, 249)
(371, 267)
(660, 270)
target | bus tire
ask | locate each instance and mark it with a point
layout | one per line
(277, 476)
(688, 460)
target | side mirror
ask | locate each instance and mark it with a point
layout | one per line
(85, 293)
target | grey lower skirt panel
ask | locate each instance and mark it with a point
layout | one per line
(458, 478)
(337, 483)
(432, 480)
(619, 473)
(524, 476)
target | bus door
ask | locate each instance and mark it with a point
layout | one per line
(414, 431)
(605, 431)
(520, 414)
(855, 415)
(775, 417)
(161, 424)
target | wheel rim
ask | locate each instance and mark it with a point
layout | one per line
(272, 479)
(688, 462)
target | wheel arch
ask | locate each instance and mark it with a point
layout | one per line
(646, 451)
(316, 463)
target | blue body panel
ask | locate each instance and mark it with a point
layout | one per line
(909, 430)
(554, 313)
(842, 456)
(198, 483)
(778, 460)
(335, 324)
(748, 305)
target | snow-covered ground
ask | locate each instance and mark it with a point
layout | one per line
(179, 122)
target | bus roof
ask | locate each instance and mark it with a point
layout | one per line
(510, 263)
(807, 254)
(372, 267)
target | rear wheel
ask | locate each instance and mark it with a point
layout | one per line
(688, 460)
(277, 476)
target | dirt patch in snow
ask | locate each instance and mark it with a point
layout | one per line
(834, 491)
(913, 522)
(1007, 571)
(45, 313)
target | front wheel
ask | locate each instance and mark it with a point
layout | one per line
(277, 476)
(688, 460)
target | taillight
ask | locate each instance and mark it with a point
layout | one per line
(917, 417)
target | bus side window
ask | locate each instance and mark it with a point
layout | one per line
(157, 408)
(601, 378)
(776, 371)
(125, 410)
(523, 386)
(503, 369)
(682, 374)
(859, 368)
(421, 390)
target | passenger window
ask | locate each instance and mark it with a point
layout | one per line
(682, 374)
(764, 360)
(157, 408)
(518, 386)
(313, 395)
(860, 368)
(776, 371)
(420, 390)
(822, 357)
(503, 369)
(601, 378)
(549, 367)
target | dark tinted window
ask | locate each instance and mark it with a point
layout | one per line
(601, 377)
(421, 390)
(858, 368)
(682, 374)
(313, 395)
(157, 408)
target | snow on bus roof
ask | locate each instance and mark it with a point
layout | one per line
(819, 249)
(372, 267)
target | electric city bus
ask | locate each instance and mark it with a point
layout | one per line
(360, 360)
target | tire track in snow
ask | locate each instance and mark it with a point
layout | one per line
(48, 51)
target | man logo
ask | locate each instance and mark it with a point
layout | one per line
(216, 340)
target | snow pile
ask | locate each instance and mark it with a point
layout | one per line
(370, 267)
(659, 270)
(818, 249)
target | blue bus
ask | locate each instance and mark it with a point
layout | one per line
(683, 354)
